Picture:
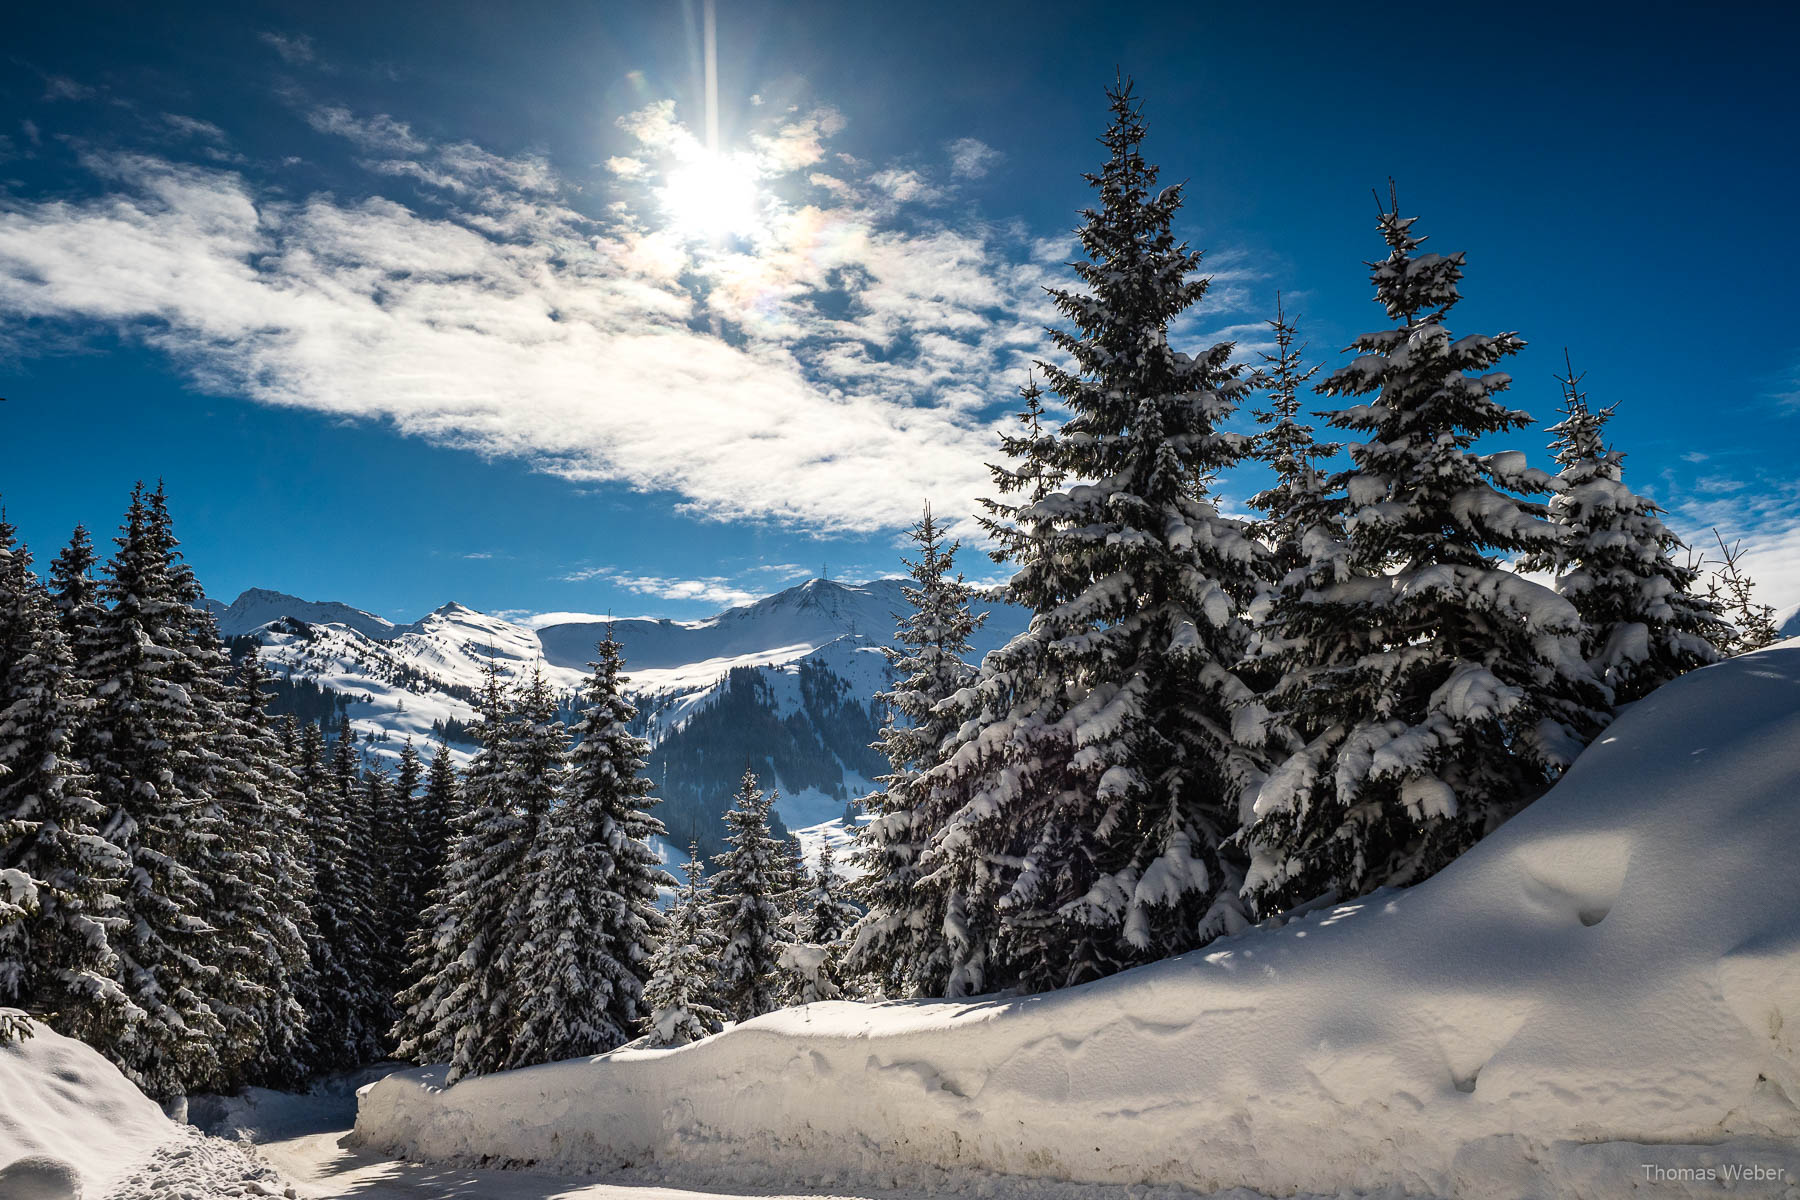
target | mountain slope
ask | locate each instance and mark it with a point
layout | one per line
(784, 686)
(258, 606)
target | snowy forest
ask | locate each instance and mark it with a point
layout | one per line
(1212, 721)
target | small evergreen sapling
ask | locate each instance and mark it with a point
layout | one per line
(681, 969)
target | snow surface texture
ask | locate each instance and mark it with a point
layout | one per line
(64, 1106)
(1609, 983)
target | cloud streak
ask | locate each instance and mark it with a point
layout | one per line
(833, 368)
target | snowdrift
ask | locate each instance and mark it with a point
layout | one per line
(70, 1124)
(1603, 996)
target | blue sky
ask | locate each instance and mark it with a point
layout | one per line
(418, 302)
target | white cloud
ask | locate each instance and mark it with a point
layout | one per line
(829, 369)
(193, 127)
(799, 143)
(544, 620)
(61, 87)
(296, 50)
(379, 132)
(906, 186)
(710, 589)
(1787, 393)
(971, 158)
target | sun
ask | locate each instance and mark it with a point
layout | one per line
(712, 196)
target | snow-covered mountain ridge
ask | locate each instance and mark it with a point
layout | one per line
(785, 685)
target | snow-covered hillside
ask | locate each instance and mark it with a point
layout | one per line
(406, 680)
(1601, 997)
(71, 1126)
(258, 606)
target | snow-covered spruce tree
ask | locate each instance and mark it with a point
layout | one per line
(1096, 776)
(900, 944)
(592, 879)
(387, 923)
(331, 1027)
(426, 957)
(459, 1010)
(681, 977)
(1297, 501)
(824, 915)
(1434, 690)
(434, 816)
(1643, 623)
(820, 924)
(76, 591)
(413, 859)
(265, 924)
(747, 911)
(55, 957)
(345, 1031)
(140, 741)
(213, 767)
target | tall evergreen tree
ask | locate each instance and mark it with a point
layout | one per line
(213, 767)
(140, 742)
(1433, 689)
(412, 873)
(347, 1025)
(55, 956)
(332, 1029)
(457, 1012)
(900, 943)
(746, 905)
(680, 971)
(266, 927)
(1297, 500)
(388, 921)
(76, 591)
(435, 816)
(1096, 777)
(1643, 622)
(427, 951)
(592, 923)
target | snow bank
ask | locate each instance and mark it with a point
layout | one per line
(1603, 996)
(69, 1120)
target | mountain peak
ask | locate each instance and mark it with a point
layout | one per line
(256, 607)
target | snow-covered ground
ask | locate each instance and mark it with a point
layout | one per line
(1602, 997)
(71, 1126)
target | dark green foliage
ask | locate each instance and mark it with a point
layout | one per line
(693, 766)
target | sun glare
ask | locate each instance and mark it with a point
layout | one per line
(712, 196)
